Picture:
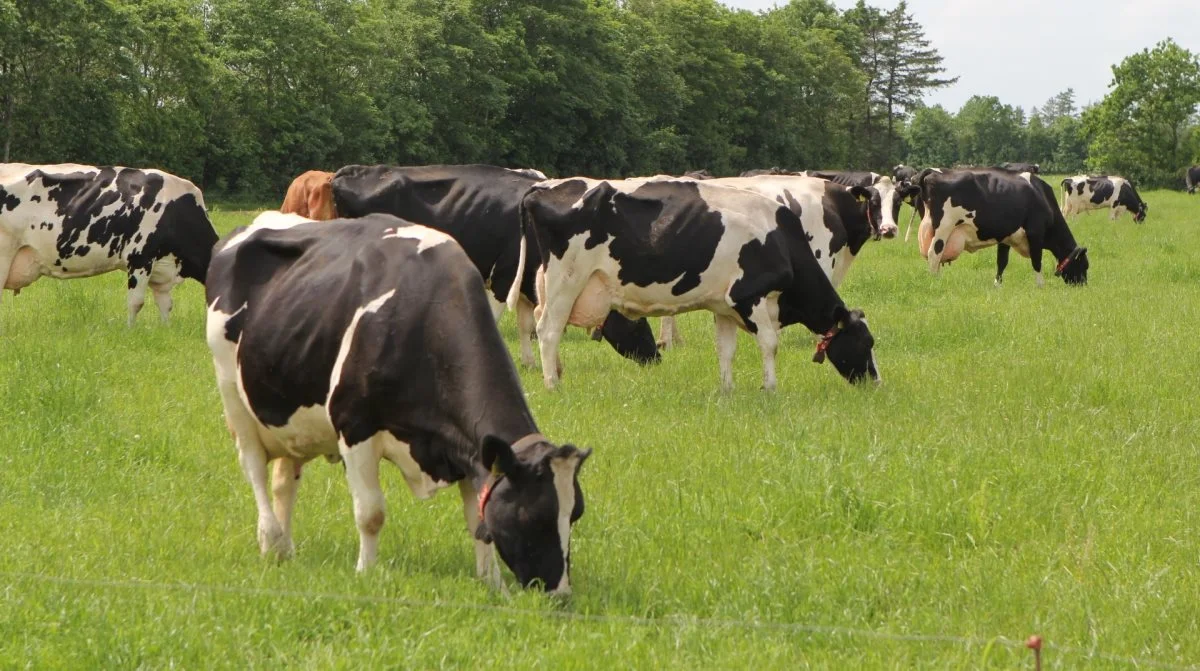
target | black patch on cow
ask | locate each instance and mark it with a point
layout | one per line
(35, 198)
(1102, 190)
(8, 201)
(817, 253)
(938, 246)
(157, 207)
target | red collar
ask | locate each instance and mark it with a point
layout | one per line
(819, 357)
(486, 493)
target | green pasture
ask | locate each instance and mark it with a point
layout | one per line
(1028, 466)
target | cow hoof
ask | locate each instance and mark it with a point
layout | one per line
(274, 544)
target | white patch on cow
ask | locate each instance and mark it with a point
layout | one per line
(564, 469)
(953, 241)
(427, 237)
(271, 220)
(887, 196)
(372, 306)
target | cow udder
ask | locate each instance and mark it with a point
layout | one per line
(25, 269)
(593, 304)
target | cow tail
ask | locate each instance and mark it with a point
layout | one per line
(514, 291)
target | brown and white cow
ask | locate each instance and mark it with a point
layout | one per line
(311, 195)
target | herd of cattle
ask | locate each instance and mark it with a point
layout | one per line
(359, 322)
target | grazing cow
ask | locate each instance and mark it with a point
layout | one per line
(972, 209)
(666, 246)
(1193, 178)
(68, 221)
(479, 206)
(890, 195)
(1097, 192)
(402, 361)
(1033, 168)
(310, 195)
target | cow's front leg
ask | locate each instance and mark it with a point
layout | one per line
(136, 298)
(285, 481)
(1036, 245)
(668, 333)
(766, 317)
(1002, 251)
(556, 310)
(362, 474)
(526, 323)
(726, 329)
(486, 566)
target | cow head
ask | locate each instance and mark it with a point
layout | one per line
(850, 346)
(889, 203)
(529, 509)
(872, 206)
(1073, 269)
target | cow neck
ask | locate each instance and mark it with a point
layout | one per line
(1061, 243)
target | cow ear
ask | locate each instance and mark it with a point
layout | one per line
(840, 316)
(860, 193)
(569, 451)
(497, 455)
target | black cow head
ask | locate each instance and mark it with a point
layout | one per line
(522, 514)
(850, 346)
(1073, 269)
(872, 205)
(1143, 209)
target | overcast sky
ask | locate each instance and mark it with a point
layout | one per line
(1025, 51)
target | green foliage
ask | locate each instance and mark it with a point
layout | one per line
(931, 138)
(1142, 128)
(989, 132)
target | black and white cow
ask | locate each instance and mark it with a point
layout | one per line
(1192, 178)
(903, 173)
(68, 221)
(1032, 168)
(667, 246)
(967, 210)
(1098, 192)
(757, 172)
(889, 193)
(479, 206)
(372, 339)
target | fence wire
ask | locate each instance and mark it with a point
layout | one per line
(664, 621)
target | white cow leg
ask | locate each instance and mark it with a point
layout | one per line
(556, 310)
(362, 474)
(486, 566)
(138, 282)
(668, 334)
(726, 346)
(766, 316)
(253, 458)
(285, 480)
(526, 323)
(497, 305)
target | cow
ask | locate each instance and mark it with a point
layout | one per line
(1193, 179)
(1032, 168)
(310, 195)
(765, 171)
(837, 220)
(402, 361)
(69, 220)
(903, 173)
(479, 206)
(698, 174)
(667, 246)
(972, 209)
(1097, 192)
(890, 194)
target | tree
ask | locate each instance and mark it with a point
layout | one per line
(989, 132)
(1140, 129)
(931, 138)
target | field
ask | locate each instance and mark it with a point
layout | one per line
(1029, 465)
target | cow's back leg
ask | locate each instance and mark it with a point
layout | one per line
(486, 566)
(362, 474)
(526, 323)
(1002, 251)
(139, 280)
(668, 334)
(766, 320)
(726, 328)
(285, 481)
(252, 456)
(556, 309)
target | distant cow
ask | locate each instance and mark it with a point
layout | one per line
(698, 174)
(903, 173)
(1098, 192)
(667, 246)
(1033, 168)
(310, 195)
(764, 171)
(399, 359)
(1193, 178)
(890, 193)
(967, 210)
(68, 221)
(479, 206)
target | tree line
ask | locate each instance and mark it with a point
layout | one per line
(242, 95)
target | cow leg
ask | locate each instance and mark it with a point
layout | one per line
(526, 323)
(669, 335)
(362, 474)
(556, 310)
(162, 298)
(497, 306)
(486, 566)
(253, 457)
(766, 315)
(1035, 256)
(285, 480)
(138, 281)
(1002, 251)
(726, 329)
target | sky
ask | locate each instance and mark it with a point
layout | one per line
(1025, 51)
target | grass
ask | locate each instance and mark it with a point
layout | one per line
(1030, 465)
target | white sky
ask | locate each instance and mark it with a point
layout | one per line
(1025, 51)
